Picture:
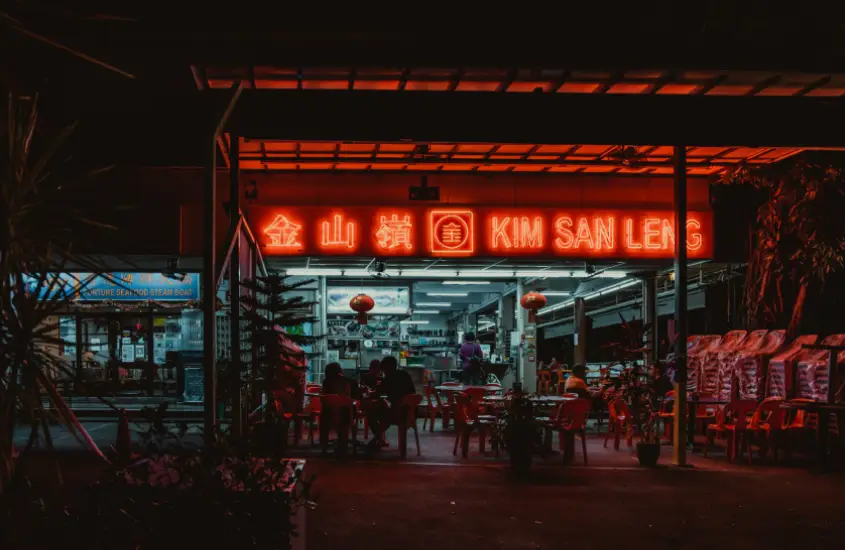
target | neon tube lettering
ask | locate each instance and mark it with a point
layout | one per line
(563, 229)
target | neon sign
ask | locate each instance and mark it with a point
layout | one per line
(333, 235)
(451, 232)
(478, 231)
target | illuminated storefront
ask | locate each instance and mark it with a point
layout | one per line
(128, 330)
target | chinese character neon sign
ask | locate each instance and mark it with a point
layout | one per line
(395, 232)
(283, 233)
(451, 232)
(334, 235)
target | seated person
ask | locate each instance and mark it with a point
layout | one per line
(396, 385)
(371, 378)
(336, 383)
(577, 382)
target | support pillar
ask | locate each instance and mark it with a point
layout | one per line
(209, 270)
(500, 327)
(679, 457)
(235, 286)
(324, 328)
(209, 292)
(580, 334)
(520, 330)
(651, 339)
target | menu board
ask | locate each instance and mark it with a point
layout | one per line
(388, 300)
(194, 385)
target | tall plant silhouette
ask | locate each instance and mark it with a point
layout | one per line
(39, 228)
(272, 313)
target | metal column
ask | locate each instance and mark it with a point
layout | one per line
(209, 292)
(580, 335)
(520, 329)
(324, 329)
(209, 271)
(680, 439)
(650, 337)
(235, 286)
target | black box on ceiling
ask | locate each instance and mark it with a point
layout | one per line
(423, 192)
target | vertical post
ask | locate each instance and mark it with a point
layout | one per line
(520, 329)
(209, 292)
(235, 285)
(500, 327)
(256, 396)
(324, 328)
(78, 374)
(651, 341)
(680, 440)
(580, 336)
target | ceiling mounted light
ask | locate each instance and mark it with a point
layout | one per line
(412, 322)
(466, 282)
(448, 294)
(426, 312)
(434, 304)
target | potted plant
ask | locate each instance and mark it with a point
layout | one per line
(517, 431)
(638, 391)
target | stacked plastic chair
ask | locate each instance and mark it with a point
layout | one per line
(748, 365)
(727, 361)
(708, 376)
(812, 374)
(697, 348)
(781, 366)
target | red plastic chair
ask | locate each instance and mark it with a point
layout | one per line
(434, 405)
(732, 424)
(767, 425)
(569, 420)
(467, 420)
(332, 417)
(409, 403)
(619, 422)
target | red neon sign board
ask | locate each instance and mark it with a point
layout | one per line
(455, 232)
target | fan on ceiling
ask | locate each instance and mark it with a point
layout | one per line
(378, 269)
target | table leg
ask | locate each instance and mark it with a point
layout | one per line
(691, 425)
(824, 422)
(568, 445)
(403, 439)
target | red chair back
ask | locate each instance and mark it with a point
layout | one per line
(771, 412)
(574, 414)
(618, 408)
(433, 397)
(737, 413)
(476, 394)
(464, 411)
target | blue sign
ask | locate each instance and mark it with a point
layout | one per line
(121, 287)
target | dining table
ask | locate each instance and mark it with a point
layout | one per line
(824, 411)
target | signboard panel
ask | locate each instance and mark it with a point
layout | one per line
(388, 300)
(456, 232)
(124, 287)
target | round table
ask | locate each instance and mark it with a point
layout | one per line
(551, 399)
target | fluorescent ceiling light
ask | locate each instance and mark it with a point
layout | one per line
(451, 275)
(615, 287)
(556, 293)
(448, 294)
(433, 304)
(426, 312)
(413, 322)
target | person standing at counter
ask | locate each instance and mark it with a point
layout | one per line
(470, 355)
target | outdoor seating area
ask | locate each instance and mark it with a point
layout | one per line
(738, 412)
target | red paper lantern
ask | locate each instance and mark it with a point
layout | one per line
(532, 302)
(362, 304)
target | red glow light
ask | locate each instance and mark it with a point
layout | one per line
(334, 236)
(451, 233)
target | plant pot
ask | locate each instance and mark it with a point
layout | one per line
(520, 460)
(648, 453)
